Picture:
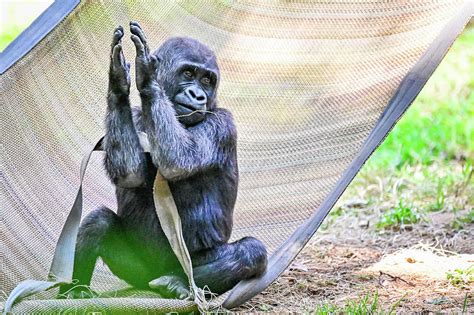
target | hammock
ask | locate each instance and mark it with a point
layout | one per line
(314, 89)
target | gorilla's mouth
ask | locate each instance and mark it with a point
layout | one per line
(185, 107)
(185, 110)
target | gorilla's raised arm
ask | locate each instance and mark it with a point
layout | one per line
(124, 159)
(177, 94)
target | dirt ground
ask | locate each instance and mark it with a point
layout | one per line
(405, 271)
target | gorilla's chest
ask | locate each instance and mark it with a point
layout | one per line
(205, 203)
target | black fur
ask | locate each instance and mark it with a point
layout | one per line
(195, 153)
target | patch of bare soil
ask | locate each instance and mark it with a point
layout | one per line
(335, 271)
(323, 273)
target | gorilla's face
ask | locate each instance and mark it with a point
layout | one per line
(191, 78)
(194, 91)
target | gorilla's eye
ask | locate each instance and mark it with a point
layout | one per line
(188, 74)
(206, 81)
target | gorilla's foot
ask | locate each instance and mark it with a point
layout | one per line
(171, 287)
(78, 292)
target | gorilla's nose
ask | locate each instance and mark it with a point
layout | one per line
(196, 96)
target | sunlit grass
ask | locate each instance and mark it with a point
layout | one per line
(427, 160)
(367, 304)
(461, 277)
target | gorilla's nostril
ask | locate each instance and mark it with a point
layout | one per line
(195, 95)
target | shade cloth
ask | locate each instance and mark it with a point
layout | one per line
(314, 87)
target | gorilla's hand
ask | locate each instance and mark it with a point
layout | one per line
(145, 63)
(119, 72)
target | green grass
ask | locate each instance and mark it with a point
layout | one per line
(367, 304)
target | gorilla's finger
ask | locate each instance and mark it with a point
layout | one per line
(117, 55)
(135, 23)
(138, 45)
(118, 34)
(136, 30)
(137, 26)
(139, 32)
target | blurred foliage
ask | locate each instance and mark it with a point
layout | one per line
(9, 34)
(398, 217)
(461, 277)
(16, 16)
(460, 222)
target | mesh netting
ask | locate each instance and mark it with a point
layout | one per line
(306, 84)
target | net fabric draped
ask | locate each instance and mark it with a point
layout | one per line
(306, 83)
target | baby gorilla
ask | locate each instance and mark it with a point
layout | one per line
(193, 145)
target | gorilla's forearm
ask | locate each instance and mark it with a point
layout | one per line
(176, 151)
(124, 159)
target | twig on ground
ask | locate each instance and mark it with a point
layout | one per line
(393, 278)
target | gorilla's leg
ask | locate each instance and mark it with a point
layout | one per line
(101, 235)
(223, 267)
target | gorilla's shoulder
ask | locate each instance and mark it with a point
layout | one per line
(224, 113)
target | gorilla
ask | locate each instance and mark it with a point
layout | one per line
(193, 146)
